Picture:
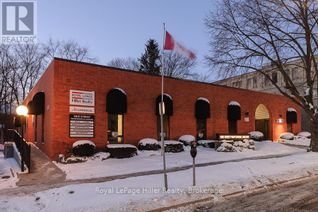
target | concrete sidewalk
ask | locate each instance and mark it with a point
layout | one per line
(43, 171)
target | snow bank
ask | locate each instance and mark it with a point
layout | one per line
(207, 143)
(237, 146)
(146, 141)
(287, 136)
(256, 135)
(82, 142)
(148, 144)
(304, 134)
(187, 139)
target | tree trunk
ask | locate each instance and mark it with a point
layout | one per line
(314, 134)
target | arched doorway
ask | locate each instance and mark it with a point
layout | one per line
(262, 120)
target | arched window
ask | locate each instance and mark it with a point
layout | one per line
(116, 107)
(233, 115)
(167, 112)
(202, 112)
(291, 118)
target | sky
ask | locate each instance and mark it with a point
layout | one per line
(120, 28)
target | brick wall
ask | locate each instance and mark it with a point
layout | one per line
(142, 90)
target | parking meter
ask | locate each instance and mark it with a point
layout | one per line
(193, 150)
(193, 153)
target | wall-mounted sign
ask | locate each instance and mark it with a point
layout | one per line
(82, 98)
(82, 126)
(88, 110)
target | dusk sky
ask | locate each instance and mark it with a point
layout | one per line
(120, 28)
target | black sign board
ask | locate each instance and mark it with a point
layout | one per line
(82, 126)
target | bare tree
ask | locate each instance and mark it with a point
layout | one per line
(248, 34)
(125, 63)
(67, 50)
(178, 66)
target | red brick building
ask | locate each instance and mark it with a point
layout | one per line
(75, 101)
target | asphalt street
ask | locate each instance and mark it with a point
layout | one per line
(303, 197)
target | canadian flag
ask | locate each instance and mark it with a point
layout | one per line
(171, 44)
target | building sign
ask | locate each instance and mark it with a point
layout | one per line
(82, 98)
(88, 110)
(82, 126)
(233, 137)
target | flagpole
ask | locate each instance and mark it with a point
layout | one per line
(161, 113)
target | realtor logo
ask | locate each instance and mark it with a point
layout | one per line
(18, 21)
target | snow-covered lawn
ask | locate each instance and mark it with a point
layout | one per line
(8, 170)
(145, 192)
(299, 141)
(152, 160)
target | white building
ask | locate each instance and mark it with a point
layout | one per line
(258, 82)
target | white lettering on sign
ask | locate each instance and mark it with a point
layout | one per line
(75, 109)
(82, 98)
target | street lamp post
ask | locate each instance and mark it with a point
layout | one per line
(22, 112)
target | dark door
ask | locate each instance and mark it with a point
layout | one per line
(232, 127)
(201, 129)
(263, 126)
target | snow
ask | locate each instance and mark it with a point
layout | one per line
(203, 99)
(110, 146)
(287, 136)
(234, 103)
(299, 141)
(8, 172)
(237, 146)
(82, 142)
(171, 142)
(121, 90)
(290, 109)
(304, 134)
(152, 160)
(203, 142)
(145, 193)
(256, 134)
(187, 138)
(167, 95)
(146, 141)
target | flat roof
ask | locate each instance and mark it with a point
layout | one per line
(153, 75)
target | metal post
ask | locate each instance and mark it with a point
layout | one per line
(161, 116)
(193, 166)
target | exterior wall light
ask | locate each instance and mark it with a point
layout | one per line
(22, 110)
(280, 120)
